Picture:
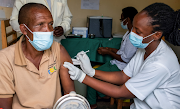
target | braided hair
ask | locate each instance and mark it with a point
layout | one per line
(165, 19)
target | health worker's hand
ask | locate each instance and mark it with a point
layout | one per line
(58, 31)
(75, 73)
(103, 50)
(84, 62)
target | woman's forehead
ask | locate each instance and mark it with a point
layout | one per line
(142, 20)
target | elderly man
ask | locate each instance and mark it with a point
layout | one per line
(59, 10)
(31, 69)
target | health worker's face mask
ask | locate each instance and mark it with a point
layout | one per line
(136, 40)
(41, 40)
(124, 26)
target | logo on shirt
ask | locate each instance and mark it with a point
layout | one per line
(52, 68)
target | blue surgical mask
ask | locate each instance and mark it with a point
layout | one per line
(124, 26)
(41, 40)
(136, 40)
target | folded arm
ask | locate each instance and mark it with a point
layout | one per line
(110, 51)
(114, 50)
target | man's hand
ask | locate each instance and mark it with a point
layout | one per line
(75, 73)
(58, 31)
(103, 50)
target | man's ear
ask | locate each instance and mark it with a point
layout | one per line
(23, 29)
(158, 35)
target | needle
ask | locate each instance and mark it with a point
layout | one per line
(84, 52)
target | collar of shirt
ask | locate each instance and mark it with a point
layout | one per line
(19, 55)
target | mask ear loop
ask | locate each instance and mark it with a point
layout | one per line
(28, 38)
(150, 41)
(149, 35)
(29, 30)
(124, 20)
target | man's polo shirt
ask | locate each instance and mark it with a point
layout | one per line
(30, 88)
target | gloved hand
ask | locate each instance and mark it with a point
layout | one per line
(84, 62)
(75, 73)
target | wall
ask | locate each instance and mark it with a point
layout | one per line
(8, 14)
(111, 8)
(7, 11)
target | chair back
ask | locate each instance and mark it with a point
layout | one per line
(4, 34)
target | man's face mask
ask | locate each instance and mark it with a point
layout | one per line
(41, 40)
(136, 40)
(124, 26)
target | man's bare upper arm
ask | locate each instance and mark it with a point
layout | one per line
(6, 103)
(67, 83)
(64, 56)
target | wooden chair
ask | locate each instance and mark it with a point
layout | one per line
(5, 35)
(120, 103)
